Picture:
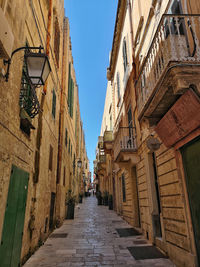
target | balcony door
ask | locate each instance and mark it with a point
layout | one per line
(191, 164)
(11, 241)
(130, 126)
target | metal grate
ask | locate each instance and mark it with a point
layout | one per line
(145, 252)
(28, 98)
(125, 232)
(140, 242)
(59, 235)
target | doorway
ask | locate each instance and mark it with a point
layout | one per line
(11, 241)
(191, 163)
(52, 205)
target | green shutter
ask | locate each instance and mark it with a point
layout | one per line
(69, 85)
(54, 104)
(72, 99)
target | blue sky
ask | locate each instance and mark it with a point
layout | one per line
(91, 29)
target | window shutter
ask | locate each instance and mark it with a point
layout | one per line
(54, 104)
(66, 137)
(69, 147)
(72, 99)
(50, 158)
(124, 54)
(69, 84)
(118, 85)
(123, 188)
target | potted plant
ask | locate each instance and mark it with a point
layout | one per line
(105, 198)
(80, 197)
(99, 198)
(110, 202)
(70, 203)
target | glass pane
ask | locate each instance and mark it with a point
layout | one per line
(35, 66)
(46, 71)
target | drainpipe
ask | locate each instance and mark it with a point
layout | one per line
(39, 129)
(132, 39)
(61, 115)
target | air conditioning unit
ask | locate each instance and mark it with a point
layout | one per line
(6, 37)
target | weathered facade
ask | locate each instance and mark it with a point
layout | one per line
(38, 152)
(155, 148)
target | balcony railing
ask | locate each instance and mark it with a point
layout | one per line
(175, 41)
(28, 99)
(125, 141)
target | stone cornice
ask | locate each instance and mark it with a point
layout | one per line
(121, 11)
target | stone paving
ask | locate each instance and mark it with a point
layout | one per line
(92, 241)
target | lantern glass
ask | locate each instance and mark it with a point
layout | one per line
(38, 67)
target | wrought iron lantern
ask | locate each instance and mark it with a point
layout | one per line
(38, 67)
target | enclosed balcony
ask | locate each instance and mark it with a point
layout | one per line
(108, 141)
(100, 142)
(170, 66)
(125, 146)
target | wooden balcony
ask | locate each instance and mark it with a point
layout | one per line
(172, 64)
(100, 142)
(125, 147)
(108, 141)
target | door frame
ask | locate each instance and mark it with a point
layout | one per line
(16, 173)
(185, 197)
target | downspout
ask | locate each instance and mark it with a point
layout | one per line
(132, 40)
(39, 129)
(61, 117)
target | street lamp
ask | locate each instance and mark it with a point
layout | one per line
(38, 67)
(37, 64)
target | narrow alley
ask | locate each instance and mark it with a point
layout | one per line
(91, 239)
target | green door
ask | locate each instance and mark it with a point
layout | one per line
(11, 241)
(191, 162)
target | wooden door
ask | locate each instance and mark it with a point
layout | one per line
(191, 163)
(11, 241)
(52, 206)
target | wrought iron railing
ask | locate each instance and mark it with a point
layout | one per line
(125, 140)
(176, 40)
(28, 99)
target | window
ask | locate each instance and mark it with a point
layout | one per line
(123, 188)
(130, 124)
(54, 104)
(66, 137)
(56, 40)
(69, 146)
(74, 165)
(50, 158)
(70, 93)
(64, 177)
(118, 85)
(125, 60)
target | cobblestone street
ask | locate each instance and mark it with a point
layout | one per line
(91, 239)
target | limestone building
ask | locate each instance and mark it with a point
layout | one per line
(40, 127)
(155, 149)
